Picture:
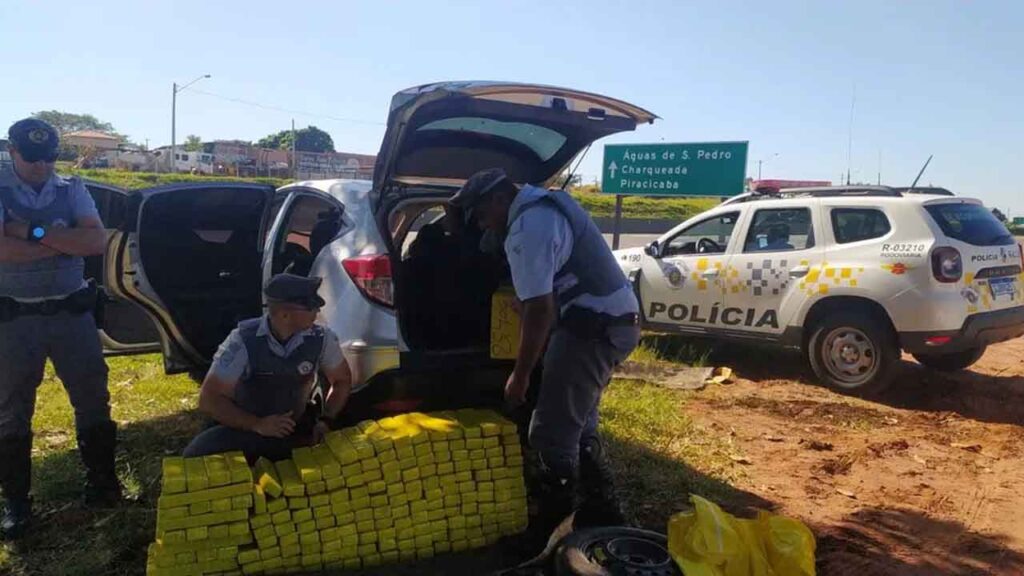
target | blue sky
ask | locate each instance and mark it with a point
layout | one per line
(933, 77)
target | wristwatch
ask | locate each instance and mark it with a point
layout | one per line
(36, 232)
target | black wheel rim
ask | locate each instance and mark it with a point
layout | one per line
(632, 556)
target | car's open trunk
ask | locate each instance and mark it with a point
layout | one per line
(443, 283)
(206, 248)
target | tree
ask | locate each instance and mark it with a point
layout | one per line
(66, 122)
(999, 215)
(193, 143)
(309, 139)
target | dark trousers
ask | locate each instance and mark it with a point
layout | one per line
(72, 343)
(220, 438)
(576, 371)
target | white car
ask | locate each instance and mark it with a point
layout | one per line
(407, 292)
(850, 275)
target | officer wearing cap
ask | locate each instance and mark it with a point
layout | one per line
(575, 299)
(262, 380)
(48, 224)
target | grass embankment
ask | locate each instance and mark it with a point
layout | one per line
(599, 205)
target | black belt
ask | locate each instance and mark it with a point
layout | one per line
(588, 323)
(77, 302)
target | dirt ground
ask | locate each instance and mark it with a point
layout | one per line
(926, 479)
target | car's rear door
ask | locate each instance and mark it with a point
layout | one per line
(125, 327)
(189, 255)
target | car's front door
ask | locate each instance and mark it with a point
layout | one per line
(779, 249)
(682, 286)
(189, 255)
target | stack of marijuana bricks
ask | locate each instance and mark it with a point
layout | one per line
(392, 490)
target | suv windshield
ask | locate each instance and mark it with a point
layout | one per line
(970, 223)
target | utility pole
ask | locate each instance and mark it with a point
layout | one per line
(295, 166)
(174, 107)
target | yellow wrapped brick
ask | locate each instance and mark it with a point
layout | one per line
(195, 475)
(174, 480)
(307, 466)
(298, 503)
(334, 484)
(317, 487)
(217, 471)
(329, 465)
(291, 484)
(276, 505)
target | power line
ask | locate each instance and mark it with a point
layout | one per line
(285, 110)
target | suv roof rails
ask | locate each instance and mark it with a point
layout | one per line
(934, 190)
(815, 192)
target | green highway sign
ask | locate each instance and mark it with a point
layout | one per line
(692, 169)
(1018, 221)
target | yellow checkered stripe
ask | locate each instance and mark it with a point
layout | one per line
(393, 490)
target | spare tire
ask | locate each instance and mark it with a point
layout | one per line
(614, 551)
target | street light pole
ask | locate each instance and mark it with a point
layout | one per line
(762, 161)
(174, 106)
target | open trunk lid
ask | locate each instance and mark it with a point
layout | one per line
(440, 134)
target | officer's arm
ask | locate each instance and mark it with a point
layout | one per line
(87, 238)
(538, 317)
(340, 378)
(217, 400)
(15, 250)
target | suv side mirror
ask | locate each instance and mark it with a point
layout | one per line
(652, 249)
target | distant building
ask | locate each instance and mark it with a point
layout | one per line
(185, 160)
(92, 139)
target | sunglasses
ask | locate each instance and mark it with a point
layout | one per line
(48, 156)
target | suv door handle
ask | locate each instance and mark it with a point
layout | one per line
(799, 272)
(713, 273)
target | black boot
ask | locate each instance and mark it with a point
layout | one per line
(554, 504)
(96, 445)
(597, 503)
(15, 482)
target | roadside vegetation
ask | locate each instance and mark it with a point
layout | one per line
(599, 205)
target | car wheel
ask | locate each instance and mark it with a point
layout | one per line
(953, 361)
(613, 551)
(854, 353)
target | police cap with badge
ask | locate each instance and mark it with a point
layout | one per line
(296, 290)
(35, 140)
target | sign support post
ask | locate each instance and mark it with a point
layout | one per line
(617, 222)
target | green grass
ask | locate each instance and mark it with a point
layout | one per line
(603, 205)
(599, 205)
(156, 417)
(660, 456)
(662, 348)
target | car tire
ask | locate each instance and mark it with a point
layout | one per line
(614, 550)
(854, 352)
(953, 361)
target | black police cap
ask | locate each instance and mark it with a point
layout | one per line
(476, 188)
(34, 139)
(293, 289)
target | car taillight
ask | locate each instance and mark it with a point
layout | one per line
(947, 266)
(372, 275)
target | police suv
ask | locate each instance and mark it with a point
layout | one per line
(849, 275)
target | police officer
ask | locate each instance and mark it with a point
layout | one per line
(263, 377)
(576, 300)
(47, 225)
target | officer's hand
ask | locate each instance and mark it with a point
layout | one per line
(515, 391)
(320, 431)
(275, 425)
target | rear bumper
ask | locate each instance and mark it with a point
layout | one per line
(978, 330)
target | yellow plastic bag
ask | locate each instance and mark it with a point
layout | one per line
(710, 542)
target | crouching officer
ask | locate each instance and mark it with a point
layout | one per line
(47, 225)
(263, 377)
(575, 299)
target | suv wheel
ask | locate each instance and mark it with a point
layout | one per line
(853, 352)
(953, 361)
